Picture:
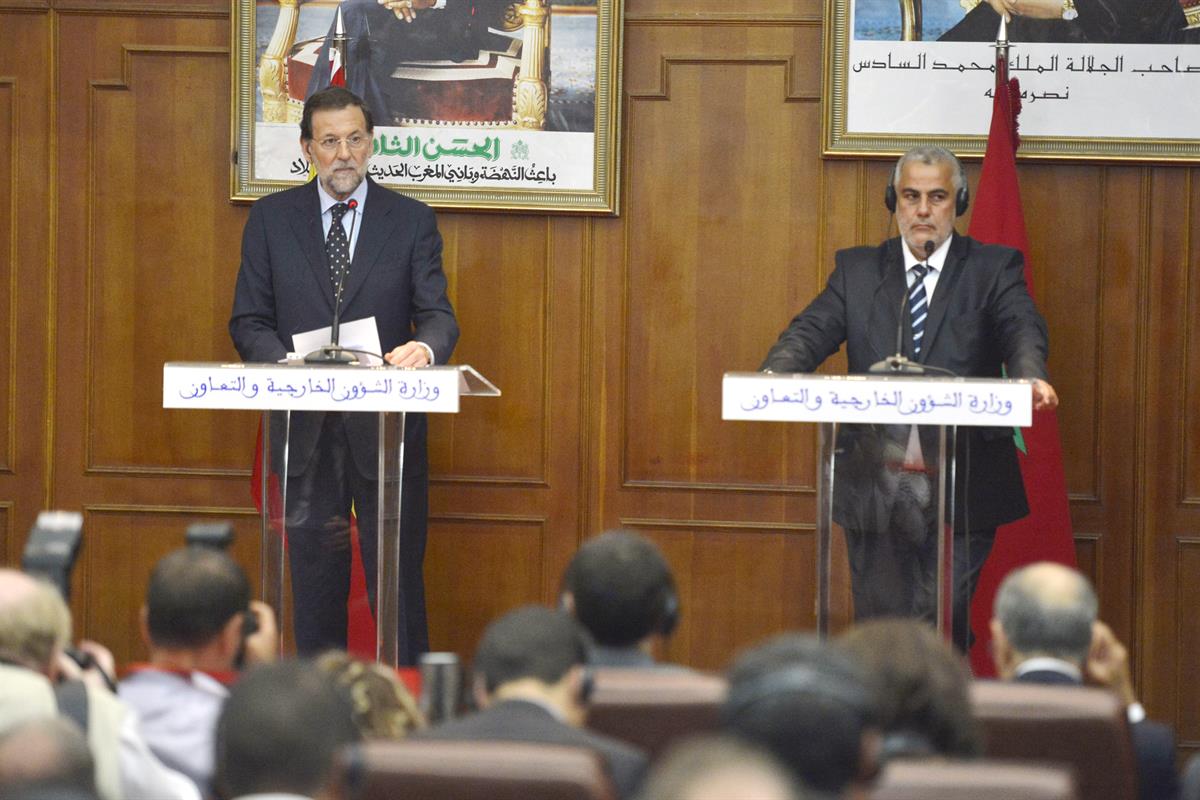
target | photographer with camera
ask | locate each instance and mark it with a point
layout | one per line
(36, 681)
(200, 626)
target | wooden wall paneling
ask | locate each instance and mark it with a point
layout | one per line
(25, 256)
(515, 283)
(1168, 645)
(122, 543)
(146, 272)
(766, 12)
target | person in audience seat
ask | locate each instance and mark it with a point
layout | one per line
(922, 687)
(278, 734)
(198, 623)
(532, 684)
(812, 708)
(1045, 630)
(620, 588)
(38, 679)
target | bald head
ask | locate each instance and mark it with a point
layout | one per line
(49, 752)
(1047, 610)
(35, 622)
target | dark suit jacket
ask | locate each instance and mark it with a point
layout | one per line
(519, 721)
(283, 288)
(1099, 21)
(1153, 746)
(981, 317)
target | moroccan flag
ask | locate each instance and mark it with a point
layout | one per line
(337, 64)
(1046, 534)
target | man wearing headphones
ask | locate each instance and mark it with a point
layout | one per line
(963, 309)
(620, 588)
(812, 708)
(532, 684)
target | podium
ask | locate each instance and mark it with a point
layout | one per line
(887, 452)
(388, 392)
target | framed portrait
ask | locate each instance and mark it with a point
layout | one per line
(477, 104)
(1100, 79)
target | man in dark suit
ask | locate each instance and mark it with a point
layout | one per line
(532, 684)
(1045, 630)
(390, 251)
(973, 317)
(382, 34)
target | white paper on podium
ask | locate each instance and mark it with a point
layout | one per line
(360, 334)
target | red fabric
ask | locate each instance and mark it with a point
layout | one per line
(1046, 534)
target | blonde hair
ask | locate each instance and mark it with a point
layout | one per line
(35, 622)
(383, 708)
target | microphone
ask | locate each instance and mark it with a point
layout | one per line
(333, 353)
(900, 363)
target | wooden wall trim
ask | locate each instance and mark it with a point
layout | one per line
(8, 87)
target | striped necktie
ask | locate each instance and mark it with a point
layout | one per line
(918, 307)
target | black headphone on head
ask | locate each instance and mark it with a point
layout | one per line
(962, 197)
(799, 679)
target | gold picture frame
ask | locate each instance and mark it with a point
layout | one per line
(888, 89)
(551, 150)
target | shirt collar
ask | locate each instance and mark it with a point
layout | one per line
(935, 262)
(328, 201)
(1047, 664)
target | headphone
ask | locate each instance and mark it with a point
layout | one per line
(962, 198)
(799, 679)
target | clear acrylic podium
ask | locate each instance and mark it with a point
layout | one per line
(389, 393)
(886, 463)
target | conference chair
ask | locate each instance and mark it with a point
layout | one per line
(1082, 728)
(436, 770)
(932, 779)
(651, 708)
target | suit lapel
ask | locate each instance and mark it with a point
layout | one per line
(886, 313)
(306, 223)
(375, 226)
(951, 272)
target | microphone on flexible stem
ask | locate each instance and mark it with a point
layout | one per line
(333, 353)
(900, 363)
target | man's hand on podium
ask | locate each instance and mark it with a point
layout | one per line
(1044, 396)
(410, 354)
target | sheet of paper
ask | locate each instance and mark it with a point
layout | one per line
(360, 334)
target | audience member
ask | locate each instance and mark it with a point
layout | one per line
(810, 706)
(1045, 630)
(195, 622)
(50, 754)
(714, 768)
(35, 627)
(922, 688)
(278, 733)
(620, 588)
(383, 708)
(531, 682)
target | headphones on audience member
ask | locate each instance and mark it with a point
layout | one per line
(799, 679)
(962, 198)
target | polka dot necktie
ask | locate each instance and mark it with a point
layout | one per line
(337, 247)
(918, 307)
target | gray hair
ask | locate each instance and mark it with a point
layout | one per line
(35, 622)
(1047, 609)
(932, 154)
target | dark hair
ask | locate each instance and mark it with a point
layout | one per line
(807, 704)
(192, 595)
(921, 687)
(279, 731)
(623, 589)
(531, 642)
(332, 98)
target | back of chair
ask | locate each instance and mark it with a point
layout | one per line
(651, 708)
(928, 779)
(444, 770)
(1083, 728)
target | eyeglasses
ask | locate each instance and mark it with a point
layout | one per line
(355, 141)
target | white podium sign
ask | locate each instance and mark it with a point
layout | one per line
(313, 388)
(881, 399)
